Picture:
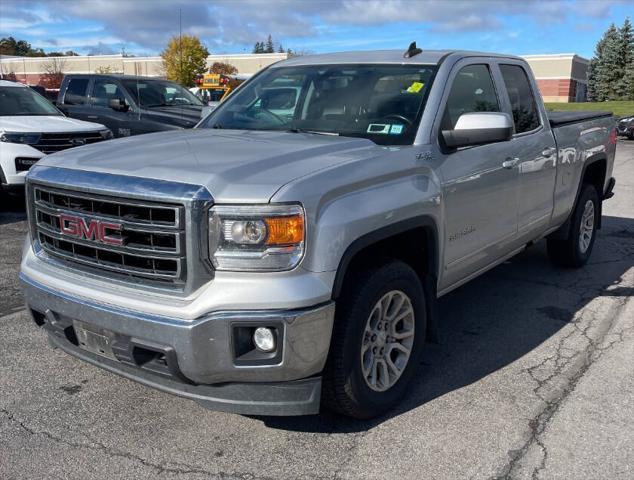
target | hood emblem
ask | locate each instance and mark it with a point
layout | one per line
(77, 142)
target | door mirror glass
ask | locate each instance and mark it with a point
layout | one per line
(478, 128)
(118, 104)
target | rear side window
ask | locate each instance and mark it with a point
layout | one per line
(76, 91)
(472, 91)
(521, 97)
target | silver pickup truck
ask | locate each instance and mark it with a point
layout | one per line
(289, 251)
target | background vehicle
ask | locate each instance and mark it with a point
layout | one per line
(625, 127)
(212, 88)
(31, 127)
(389, 181)
(129, 105)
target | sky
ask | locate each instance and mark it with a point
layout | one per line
(143, 27)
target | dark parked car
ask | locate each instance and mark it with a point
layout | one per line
(625, 127)
(129, 105)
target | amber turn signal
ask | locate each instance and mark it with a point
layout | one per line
(285, 230)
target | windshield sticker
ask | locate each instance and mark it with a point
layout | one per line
(396, 129)
(379, 128)
(415, 87)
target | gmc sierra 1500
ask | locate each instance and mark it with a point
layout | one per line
(290, 250)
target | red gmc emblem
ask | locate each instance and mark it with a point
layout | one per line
(95, 230)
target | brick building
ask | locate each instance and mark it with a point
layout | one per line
(561, 77)
(32, 70)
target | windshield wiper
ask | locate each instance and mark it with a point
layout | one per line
(316, 132)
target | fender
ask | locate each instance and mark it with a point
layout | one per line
(564, 231)
(430, 279)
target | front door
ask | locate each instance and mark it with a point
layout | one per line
(119, 122)
(479, 187)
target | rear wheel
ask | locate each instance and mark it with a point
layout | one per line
(575, 250)
(377, 340)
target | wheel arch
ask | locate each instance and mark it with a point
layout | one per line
(595, 170)
(399, 241)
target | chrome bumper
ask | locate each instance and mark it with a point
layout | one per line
(194, 357)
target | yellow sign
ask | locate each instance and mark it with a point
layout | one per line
(415, 87)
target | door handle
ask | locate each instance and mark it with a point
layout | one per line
(548, 152)
(510, 162)
(92, 117)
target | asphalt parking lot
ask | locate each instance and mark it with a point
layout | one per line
(533, 378)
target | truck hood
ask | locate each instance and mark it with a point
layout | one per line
(45, 124)
(236, 166)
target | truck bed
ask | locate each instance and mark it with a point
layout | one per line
(558, 118)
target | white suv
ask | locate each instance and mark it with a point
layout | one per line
(31, 127)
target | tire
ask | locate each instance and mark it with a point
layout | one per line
(345, 388)
(573, 252)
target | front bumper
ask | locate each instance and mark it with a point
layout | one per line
(197, 359)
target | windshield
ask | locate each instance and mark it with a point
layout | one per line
(382, 103)
(159, 93)
(24, 101)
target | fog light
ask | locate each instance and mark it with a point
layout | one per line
(264, 339)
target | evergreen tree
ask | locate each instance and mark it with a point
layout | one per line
(625, 85)
(606, 67)
(269, 45)
(280, 49)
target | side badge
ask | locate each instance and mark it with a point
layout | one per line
(426, 156)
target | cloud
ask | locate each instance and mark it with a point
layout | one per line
(101, 49)
(227, 24)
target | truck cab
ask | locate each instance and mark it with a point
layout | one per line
(129, 105)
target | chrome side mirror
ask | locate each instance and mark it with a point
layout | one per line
(478, 128)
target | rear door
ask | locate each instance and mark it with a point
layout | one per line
(532, 147)
(480, 194)
(74, 103)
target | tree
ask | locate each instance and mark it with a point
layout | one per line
(625, 85)
(223, 68)
(610, 73)
(9, 75)
(54, 75)
(22, 48)
(11, 46)
(184, 58)
(104, 69)
(269, 45)
(258, 47)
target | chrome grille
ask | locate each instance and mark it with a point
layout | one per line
(131, 238)
(54, 142)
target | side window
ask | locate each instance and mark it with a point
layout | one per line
(522, 99)
(76, 91)
(103, 91)
(472, 91)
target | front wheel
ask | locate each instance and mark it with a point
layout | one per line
(575, 250)
(377, 340)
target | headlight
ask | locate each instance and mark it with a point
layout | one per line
(106, 134)
(26, 138)
(256, 238)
